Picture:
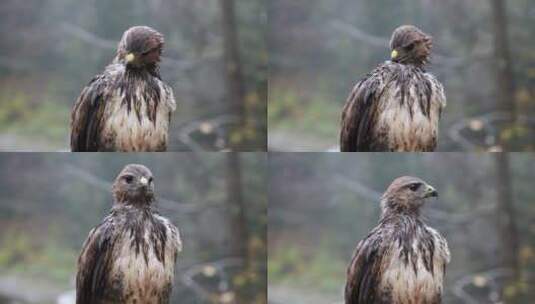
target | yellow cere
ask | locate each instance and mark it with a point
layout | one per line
(394, 54)
(129, 57)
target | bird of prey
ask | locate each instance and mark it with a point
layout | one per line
(398, 105)
(130, 256)
(402, 260)
(127, 107)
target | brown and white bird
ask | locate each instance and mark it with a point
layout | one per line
(402, 260)
(130, 256)
(398, 105)
(128, 107)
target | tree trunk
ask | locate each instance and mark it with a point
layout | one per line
(502, 61)
(234, 77)
(506, 215)
(237, 215)
(236, 206)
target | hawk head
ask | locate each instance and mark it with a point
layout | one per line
(410, 45)
(134, 186)
(406, 194)
(140, 47)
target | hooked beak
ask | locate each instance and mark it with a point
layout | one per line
(394, 54)
(129, 57)
(144, 181)
(430, 192)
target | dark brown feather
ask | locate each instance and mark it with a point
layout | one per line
(87, 116)
(389, 87)
(100, 119)
(401, 261)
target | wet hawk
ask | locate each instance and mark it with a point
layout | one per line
(402, 260)
(127, 107)
(130, 256)
(398, 105)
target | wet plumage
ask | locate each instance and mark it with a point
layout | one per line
(127, 107)
(398, 105)
(130, 256)
(402, 260)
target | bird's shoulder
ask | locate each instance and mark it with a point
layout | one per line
(437, 88)
(363, 271)
(171, 229)
(379, 75)
(94, 262)
(98, 86)
(89, 111)
(372, 84)
(441, 243)
(107, 77)
(372, 242)
(98, 241)
(103, 230)
(169, 97)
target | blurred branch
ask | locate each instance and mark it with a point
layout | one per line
(372, 195)
(487, 278)
(87, 36)
(188, 276)
(358, 34)
(381, 42)
(12, 64)
(358, 187)
(289, 216)
(97, 41)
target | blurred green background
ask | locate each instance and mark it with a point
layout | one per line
(51, 49)
(50, 201)
(322, 204)
(319, 49)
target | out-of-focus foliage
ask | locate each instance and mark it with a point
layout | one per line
(49, 203)
(321, 205)
(50, 50)
(319, 49)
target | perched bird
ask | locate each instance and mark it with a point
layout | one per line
(128, 107)
(398, 105)
(130, 256)
(402, 260)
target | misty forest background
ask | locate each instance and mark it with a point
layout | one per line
(49, 203)
(214, 59)
(484, 54)
(321, 205)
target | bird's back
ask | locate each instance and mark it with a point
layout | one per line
(394, 108)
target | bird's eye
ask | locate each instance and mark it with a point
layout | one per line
(150, 180)
(414, 187)
(149, 51)
(409, 47)
(129, 179)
